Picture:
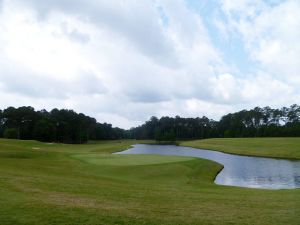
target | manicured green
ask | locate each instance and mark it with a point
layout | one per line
(128, 160)
(44, 183)
(270, 147)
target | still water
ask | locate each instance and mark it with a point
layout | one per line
(242, 171)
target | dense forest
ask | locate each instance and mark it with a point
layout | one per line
(257, 122)
(67, 126)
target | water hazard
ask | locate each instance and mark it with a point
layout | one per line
(242, 171)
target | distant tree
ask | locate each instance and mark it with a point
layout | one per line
(2, 122)
(62, 125)
(169, 136)
(67, 126)
(44, 130)
(158, 134)
(11, 133)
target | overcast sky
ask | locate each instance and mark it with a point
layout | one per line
(122, 61)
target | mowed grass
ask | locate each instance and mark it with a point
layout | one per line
(44, 183)
(270, 147)
(128, 160)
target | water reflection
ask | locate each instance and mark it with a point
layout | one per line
(242, 171)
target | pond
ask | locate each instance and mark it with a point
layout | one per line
(241, 171)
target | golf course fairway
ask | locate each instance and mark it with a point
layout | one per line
(44, 183)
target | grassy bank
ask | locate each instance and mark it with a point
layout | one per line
(269, 147)
(84, 184)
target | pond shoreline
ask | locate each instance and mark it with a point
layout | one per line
(237, 170)
(240, 154)
(231, 153)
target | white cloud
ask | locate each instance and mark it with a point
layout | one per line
(271, 35)
(124, 61)
(243, 8)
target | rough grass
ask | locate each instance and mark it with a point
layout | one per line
(83, 184)
(269, 147)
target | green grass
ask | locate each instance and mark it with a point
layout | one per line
(128, 160)
(270, 147)
(83, 184)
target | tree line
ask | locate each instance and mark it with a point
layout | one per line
(257, 122)
(65, 126)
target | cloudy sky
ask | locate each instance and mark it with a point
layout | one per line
(122, 61)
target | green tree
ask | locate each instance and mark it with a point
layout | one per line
(44, 131)
(11, 133)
